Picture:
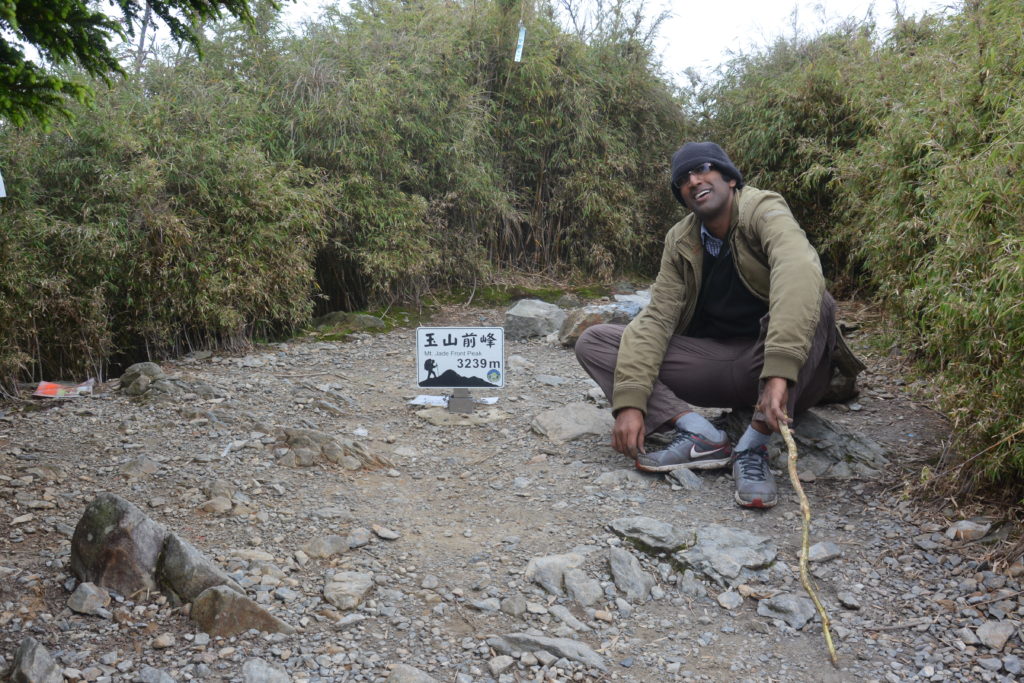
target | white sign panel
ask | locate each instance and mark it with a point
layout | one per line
(460, 357)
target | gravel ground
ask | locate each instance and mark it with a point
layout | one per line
(471, 506)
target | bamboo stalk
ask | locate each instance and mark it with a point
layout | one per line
(805, 509)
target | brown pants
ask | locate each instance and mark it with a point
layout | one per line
(712, 373)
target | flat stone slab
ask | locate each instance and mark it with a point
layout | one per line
(440, 417)
(651, 535)
(792, 609)
(559, 647)
(994, 634)
(826, 450)
(345, 590)
(728, 556)
(686, 478)
(403, 673)
(326, 546)
(823, 552)
(729, 600)
(573, 421)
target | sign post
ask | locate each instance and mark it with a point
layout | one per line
(461, 401)
(460, 358)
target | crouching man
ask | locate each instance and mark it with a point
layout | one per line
(738, 317)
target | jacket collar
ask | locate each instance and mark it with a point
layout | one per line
(734, 220)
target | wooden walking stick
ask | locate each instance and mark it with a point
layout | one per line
(805, 509)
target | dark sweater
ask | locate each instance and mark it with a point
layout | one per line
(725, 308)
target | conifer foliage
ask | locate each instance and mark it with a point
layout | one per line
(76, 34)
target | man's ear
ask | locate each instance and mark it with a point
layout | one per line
(732, 183)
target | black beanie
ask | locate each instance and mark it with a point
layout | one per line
(693, 154)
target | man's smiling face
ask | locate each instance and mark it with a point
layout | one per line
(706, 192)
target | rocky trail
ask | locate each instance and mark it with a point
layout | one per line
(390, 542)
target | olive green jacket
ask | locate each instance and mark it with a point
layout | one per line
(775, 262)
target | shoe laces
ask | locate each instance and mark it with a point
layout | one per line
(753, 464)
(682, 436)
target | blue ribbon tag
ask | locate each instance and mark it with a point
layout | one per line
(519, 46)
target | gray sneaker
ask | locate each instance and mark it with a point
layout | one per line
(687, 450)
(755, 484)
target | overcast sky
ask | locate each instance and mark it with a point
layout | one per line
(701, 34)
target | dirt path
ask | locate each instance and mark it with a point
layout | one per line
(472, 506)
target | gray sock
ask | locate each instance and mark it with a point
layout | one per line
(752, 439)
(698, 424)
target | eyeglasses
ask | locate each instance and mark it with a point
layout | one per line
(703, 169)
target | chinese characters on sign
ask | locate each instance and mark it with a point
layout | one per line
(460, 356)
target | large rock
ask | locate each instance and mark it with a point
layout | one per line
(651, 535)
(994, 634)
(532, 318)
(549, 572)
(581, 588)
(140, 467)
(307, 447)
(137, 378)
(116, 546)
(221, 611)
(728, 556)
(326, 546)
(150, 674)
(183, 572)
(792, 609)
(824, 551)
(345, 590)
(89, 598)
(573, 421)
(34, 664)
(966, 530)
(256, 670)
(579, 319)
(826, 449)
(403, 673)
(628, 576)
(514, 643)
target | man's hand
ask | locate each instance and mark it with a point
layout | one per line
(628, 433)
(772, 402)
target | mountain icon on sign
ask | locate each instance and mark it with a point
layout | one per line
(450, 378)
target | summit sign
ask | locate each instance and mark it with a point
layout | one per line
(460, 357)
